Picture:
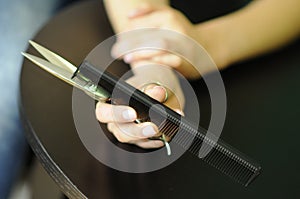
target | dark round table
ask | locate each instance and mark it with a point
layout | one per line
(262, 121)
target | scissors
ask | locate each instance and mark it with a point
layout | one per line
(100, 85)
(64, 70)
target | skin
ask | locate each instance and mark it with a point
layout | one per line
(258, 28)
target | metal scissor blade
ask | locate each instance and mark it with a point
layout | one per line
(59, 72)
(92, 90)
(53, 58)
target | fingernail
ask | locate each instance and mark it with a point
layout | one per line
(149, 131)
(128, 58)
(180, 112)
(129, 114)
(159, 87)
(162, 88)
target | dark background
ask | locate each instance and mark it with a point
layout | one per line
(262, 121)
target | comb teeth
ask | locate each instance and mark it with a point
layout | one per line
(217, 154)
(230, 164)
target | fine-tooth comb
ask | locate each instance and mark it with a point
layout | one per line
(222, 156)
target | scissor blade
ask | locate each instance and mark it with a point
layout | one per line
(97, 92)
(65, 75)
(53, 58)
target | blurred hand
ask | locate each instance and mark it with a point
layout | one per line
(163, 17)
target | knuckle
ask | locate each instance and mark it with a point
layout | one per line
(120, 134)
(157, 144)
(170, 14)
(121, 138)
(99, 110)
(141, 144)
(99, 116)
(110, 127)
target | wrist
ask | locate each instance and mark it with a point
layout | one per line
(213, 36)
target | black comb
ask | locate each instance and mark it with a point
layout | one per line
(185, 134)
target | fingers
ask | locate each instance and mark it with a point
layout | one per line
(133, 131)
(136, 134)
(137, 41)
(144, 54)
(120, 121)
(154, 90)
(140, 45)
(112, 113)
(132, 134)
(158, 93)
(157, 56)
(168, 59)
(149, 144)
(150, 19)
(107, 113)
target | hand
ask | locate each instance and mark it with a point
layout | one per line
(147, 16)
(120, 119)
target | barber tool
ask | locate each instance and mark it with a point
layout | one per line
(101, 85)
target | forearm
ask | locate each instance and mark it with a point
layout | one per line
(118, 11)
(260, 27)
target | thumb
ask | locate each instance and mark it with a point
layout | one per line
(154, 90)
(157, 92)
